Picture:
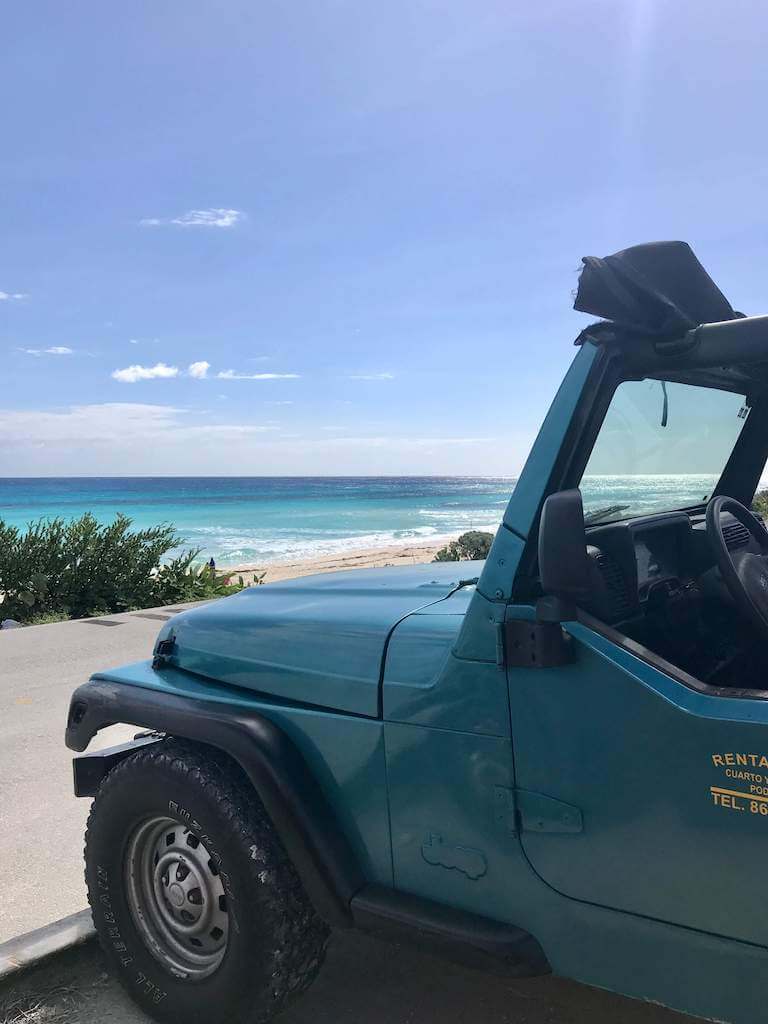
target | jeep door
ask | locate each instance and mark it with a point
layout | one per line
(667, 831)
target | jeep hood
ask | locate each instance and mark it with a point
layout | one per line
(317, 640)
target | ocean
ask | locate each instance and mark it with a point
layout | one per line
(256, 520)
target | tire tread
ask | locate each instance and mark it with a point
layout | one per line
(301, 935)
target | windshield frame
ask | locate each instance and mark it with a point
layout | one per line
(610, 365)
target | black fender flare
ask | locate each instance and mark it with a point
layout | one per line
(291, 795)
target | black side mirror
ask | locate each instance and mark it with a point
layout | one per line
(563, 560)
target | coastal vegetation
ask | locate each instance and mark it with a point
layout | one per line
(474, 544)
(59, 569)
(760, 504)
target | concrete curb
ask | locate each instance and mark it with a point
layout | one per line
(28, 950)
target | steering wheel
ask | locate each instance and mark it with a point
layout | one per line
(745, 574)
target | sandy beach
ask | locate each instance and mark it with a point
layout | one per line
(408, 553)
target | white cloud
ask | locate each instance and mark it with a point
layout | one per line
(132, 374)
(405, 443)
(110, 423)
(231, 375)
(371, 376)
(215, 217)
(199, 370)
(12, 296)
(143, 438)
(54, 350)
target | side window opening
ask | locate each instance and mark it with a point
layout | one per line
(656, 462)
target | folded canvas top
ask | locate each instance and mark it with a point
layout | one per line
(658, 289)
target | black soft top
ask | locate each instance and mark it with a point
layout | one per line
(657, 291)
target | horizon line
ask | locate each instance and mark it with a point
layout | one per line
(270, 476)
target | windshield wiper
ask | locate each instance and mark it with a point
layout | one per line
(602, 513)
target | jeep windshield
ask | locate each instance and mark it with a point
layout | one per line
(662, 446)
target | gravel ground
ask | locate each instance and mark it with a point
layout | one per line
(364, 981)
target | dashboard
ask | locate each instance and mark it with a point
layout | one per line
(640, 563)
(659, 553)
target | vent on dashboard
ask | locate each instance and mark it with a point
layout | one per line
(616, 585)
(735, 535)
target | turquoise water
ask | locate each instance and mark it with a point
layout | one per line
(263, 519)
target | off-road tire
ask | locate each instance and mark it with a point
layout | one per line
(275, 941)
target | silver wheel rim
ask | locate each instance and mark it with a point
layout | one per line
(176, 897)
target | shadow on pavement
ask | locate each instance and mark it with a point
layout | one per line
(364, 981)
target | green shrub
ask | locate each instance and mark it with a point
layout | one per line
(471, 545)
(59, 569)
(760, 503)
(182, 579)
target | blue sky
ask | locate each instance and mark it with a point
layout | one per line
(368, 217)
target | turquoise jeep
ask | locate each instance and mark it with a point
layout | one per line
(555, 760)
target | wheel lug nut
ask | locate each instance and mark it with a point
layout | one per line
(181, 872)
(195, 897)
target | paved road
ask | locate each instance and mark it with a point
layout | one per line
(41, 822)
(364, 981)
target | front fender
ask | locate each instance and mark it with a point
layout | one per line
(289, 792)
